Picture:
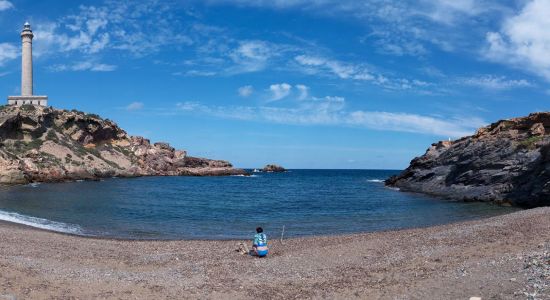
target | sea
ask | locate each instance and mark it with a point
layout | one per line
(296, 203)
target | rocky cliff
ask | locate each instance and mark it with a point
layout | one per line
(40, 144)
(505, 162)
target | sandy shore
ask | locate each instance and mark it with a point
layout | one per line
(504, 257)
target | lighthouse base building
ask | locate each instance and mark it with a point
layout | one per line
(32, 100)
(27, 96)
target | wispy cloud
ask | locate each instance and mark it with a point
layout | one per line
(8, 52)
(84, 66)
(134, 106)
(279, 91)
(359, 72)
(133, 28)
(303, 91)
(5, 5)
(331, 111)
(397, 27)
(245, 91)
(493, 82)
(524, 40)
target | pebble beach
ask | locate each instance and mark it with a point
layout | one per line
(503, 257)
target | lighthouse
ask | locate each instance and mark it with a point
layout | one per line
(27, 96)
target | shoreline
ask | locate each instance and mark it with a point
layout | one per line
(489, 258)
(31, 227)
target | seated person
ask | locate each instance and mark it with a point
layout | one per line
(259, 246)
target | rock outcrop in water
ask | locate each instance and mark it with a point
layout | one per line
(505, 162)
(274, 169)
(40, 144)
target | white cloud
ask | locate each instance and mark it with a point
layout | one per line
(320, 65)
(245, 91)
(524, 40)
(495, 82)
(279, 91)
(5, 5)
(134, 106)
(251, 56)
(8, 52)
(448, 11)
(399, 27)
(330, 111)
(117, 25)
(84, 66)
(197, 73)
(340, 69)
(303, 91)
(414, 123)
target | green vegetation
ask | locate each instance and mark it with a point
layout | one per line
(124, 151)
(530, 142)
(505, 124)
(28, 107)
(94, 116)
(111, 163)
(51, 136)
(82, 151)
(22, 147)
(48, 160)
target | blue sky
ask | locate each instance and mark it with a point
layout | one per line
(306, 84)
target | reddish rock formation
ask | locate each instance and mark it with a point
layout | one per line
(40, 144)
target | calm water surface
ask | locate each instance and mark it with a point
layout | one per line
(306, 202)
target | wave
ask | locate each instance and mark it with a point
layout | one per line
(375, 180)
(242, 175)
(40, 223)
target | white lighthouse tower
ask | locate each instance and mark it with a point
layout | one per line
(27, 96)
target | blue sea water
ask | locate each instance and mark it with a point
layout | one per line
(305, 202)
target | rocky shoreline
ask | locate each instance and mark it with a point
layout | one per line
(41, 144)
(503, 257)
(507, 162)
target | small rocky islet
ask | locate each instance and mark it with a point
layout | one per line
(507, 162)
(272, 168)
(43, 144)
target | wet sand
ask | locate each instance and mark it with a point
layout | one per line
(504, 257)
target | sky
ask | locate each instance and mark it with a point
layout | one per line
(305, 84)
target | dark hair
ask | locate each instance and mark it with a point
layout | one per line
(259, 230)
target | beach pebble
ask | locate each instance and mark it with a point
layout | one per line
(475, 298)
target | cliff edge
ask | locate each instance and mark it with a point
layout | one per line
(41, 144)
(505, 162)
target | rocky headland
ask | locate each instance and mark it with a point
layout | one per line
(42, 144)
(507, 162)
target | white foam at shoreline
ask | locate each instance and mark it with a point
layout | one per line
(375, 180)
(242, 175)
(39, 223)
